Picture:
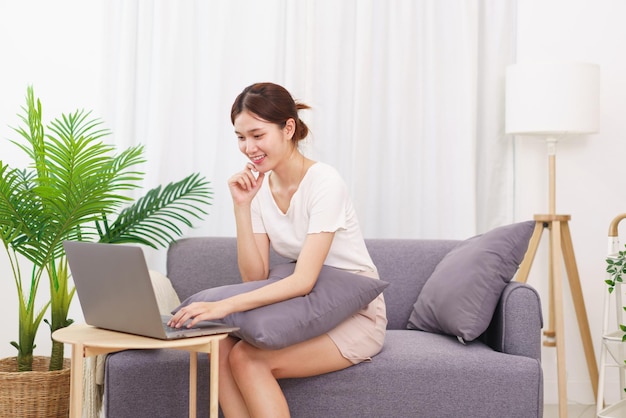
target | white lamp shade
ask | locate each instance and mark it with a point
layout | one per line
(552, 98)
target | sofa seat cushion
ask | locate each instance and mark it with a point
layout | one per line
(429, 367)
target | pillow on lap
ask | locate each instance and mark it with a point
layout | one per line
(337, 295)
(463, 291)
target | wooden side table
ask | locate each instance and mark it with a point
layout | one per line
(89, 341)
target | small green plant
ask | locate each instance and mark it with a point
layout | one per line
(616, 269)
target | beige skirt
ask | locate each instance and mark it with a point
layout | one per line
(361, 336)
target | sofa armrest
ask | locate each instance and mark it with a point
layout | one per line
(517, 322)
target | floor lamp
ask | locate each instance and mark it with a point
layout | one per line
(554, 100)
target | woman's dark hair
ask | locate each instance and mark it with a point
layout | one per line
(272, 103)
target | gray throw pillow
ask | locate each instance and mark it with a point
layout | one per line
(336, 295)
(461, 295)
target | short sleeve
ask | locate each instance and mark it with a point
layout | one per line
(327, 206)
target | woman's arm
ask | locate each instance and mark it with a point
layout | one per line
(300, 283)
(252, 249)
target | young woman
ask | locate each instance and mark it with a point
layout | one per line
(302, 209)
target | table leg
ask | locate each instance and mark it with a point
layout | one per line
(76, 381)
(193, 383)
(214, 379)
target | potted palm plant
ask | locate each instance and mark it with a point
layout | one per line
(77, 188)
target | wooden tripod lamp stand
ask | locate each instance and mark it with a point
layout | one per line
(554, 99)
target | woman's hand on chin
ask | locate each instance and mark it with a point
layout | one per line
(244, 185)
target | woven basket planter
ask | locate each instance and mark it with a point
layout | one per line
(36, 394)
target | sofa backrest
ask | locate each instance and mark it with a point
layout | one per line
(195, 264)
(406, 264)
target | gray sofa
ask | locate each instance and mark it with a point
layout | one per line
(417, 374)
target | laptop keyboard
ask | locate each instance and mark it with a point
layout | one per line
(169, 329)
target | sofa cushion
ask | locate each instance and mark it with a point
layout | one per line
(166, 296)
(336, 295)
(461, 295)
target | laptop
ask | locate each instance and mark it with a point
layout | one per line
(115, 292)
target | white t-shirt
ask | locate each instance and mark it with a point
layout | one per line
(321, 204)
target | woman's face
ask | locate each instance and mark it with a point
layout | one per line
(265, 144)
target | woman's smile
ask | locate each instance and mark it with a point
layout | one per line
(257, 159)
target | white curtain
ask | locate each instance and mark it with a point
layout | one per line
(406, 95)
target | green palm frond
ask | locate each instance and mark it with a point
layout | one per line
(118, 173)
(77, 159)
(20, 208)
(33, 133)
(77, 126)
(9, 183)
(155, 219)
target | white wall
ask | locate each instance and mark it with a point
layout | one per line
(57, 48)
(590, 182)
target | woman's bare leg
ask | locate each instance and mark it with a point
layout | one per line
(255, 371)
(231, 401)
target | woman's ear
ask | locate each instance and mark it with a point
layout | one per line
(290, 128)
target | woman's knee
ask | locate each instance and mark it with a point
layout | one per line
(242, 357)
(226, 346)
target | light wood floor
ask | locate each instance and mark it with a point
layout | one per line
(573, 411)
